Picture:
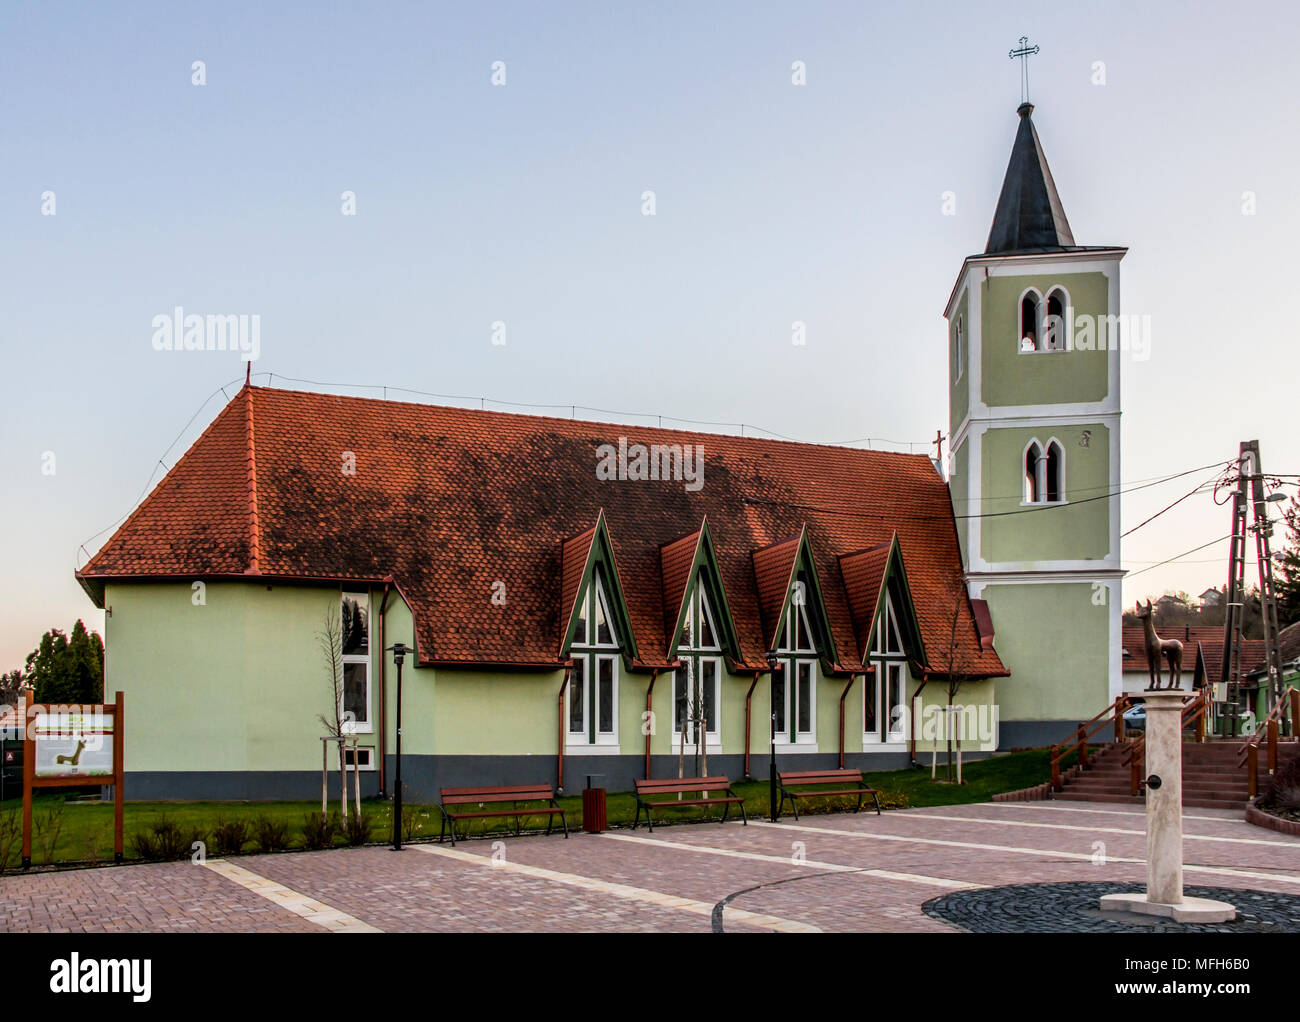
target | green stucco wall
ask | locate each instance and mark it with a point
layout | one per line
(1056, 643)
(1080, 530)
(1011, 378)
(235, 684)
(239, 683)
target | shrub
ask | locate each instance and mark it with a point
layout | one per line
(163, 840)
(11, 837)
(270, 835)
(46, 827)
(230, 836)
(356, 831)
(318, 832)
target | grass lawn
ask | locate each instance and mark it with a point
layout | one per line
(68, 832)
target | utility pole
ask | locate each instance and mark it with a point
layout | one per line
(1250, 491)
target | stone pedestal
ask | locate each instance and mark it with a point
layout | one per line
(1164, 760)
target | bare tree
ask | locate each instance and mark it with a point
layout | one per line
(957, 666)
(331, 646)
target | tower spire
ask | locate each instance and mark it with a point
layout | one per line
(1029, 216)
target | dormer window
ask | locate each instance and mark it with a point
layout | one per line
(697, 685)
(794, 682)
(592, 692)
(884, 705)
(1044, 473)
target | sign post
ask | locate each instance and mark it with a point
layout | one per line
(71, 746)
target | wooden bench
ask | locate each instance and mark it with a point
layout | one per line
(685, 786)
(514, 794)
(791, 779)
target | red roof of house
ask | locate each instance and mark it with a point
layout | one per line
(864, 580)
(1210, 638)
(447, 501)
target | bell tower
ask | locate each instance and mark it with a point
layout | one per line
(1034, 353)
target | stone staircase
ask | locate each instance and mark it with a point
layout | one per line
(1211, 777)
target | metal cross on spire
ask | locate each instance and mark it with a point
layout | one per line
(1024, 51)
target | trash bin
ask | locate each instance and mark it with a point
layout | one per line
(593, 804)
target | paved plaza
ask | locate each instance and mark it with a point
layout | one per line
(838, 872)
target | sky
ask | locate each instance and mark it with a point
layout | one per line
(523, 203)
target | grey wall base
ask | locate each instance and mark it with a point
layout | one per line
(1032, 734)
(422, 776)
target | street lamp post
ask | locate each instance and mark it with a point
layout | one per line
(399, 651)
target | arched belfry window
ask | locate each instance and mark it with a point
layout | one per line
(1044, 473)
(1052, 472)
(1033, 455)
(1029, 331)
(1044, 322)
(1056, 323)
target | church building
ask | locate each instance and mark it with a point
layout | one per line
(588, 598)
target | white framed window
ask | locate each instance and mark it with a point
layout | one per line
(884, 696)
(355, 704)
(1044, 472)
(794, 682)
(592, 692)
(697, 685)
(365, 757)
(958, 349)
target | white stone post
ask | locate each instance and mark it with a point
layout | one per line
(1164, 788)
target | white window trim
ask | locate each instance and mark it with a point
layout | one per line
(881, 739)
(592, 657)
(792, 659)
(591, 653)
(1041, 471)
(712, 739)
(334, 762)
(349, 727)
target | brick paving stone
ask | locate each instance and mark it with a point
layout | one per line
(768, 870)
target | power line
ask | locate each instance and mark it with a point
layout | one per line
(1194, 490)
(1185, 553)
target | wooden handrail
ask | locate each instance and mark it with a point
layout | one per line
(1270, 725)
(1113, 713)
(1276, 714)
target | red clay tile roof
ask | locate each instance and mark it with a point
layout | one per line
(864, 578)
(774, 568)
(1210, 638)
(573, 562)
(675, 561)
(446, 501)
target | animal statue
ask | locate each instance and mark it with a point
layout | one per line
(1171, 650)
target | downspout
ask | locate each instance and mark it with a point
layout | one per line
(843, 696)
(654, 676)
(383, 697)
(749, 697)
(925, 680)
(559, 762)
